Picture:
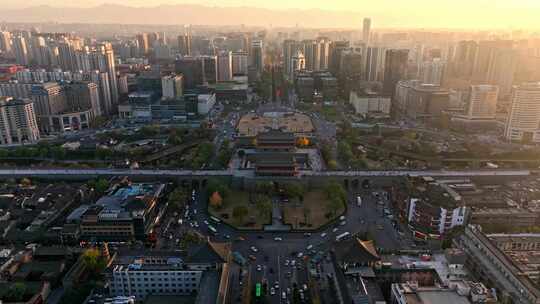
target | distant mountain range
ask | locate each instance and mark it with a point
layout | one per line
(185, 14)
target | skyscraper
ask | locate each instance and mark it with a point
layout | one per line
(106, 54)
(257, 55)
(485, 55)
(5, 42)
(432, 71)
(224, 62)
(192, 70)
(375, 57)
(366, 30)
(463, 61)
(334, 60)
(482, 102)
(172, 86)
(240, 63)
(184, 44)
(210, 69)
(20, 48)
(298, 63)
(290, 48)
(501, 70)
(18, 123)
(395, 69)
(523, 122)
(144, 46)
(82, 96)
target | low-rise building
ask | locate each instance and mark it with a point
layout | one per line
(494, 268)
(141, 273)
(370, 104)
(126, 212)
(457, 293)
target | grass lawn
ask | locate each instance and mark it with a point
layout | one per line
(316, 202)
(239, 198)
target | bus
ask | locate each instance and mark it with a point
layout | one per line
(343, 236)
(212, 229)
(215, 219)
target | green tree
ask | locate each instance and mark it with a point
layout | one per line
(93, 261)
(336, 197)
(149, 131)
(17, 292)
(345, 152)
(99, 185)
(215, 185)
(239, 213)
(294, 190)
(177, 199)
(264, 208)
(264, 187)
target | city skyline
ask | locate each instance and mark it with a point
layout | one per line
(476, 14)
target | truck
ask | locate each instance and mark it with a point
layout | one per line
(238, 258)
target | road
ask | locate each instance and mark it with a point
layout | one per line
(42, 172)
(273, 260)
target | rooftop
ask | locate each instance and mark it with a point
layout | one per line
(252, 124)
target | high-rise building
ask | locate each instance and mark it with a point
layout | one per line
(324, 51)
(482, 102)
(66, 56)
(432, 71)
(257, 55)
(240, 63)
(464, 58)
(290, 48)
(192, 70)
(184, 45)
(523, 121)
(485, 55)
(172, 86)
(49, 99)
(224, 63)
(375, 57)
(395, 69)
(18, 123)
(5, 42)
(16, 89)
(334, 60)
(106, 54)
(417, 100)
(142, 40)
(366, 30)
(83, 96)
(298, 63)
(502, 68)
(312, 52)
(210, 69)
(20, 48)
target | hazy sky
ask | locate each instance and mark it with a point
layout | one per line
(485, 13)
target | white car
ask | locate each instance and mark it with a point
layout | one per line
(300, 254)
(254, 249)
(272, 291)
(278, 239)
(286, 262)
(206, 222)
(323, 235)
(335, 229)
(259, 268)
